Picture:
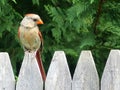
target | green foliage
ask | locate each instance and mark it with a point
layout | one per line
(35, 2)
(70, 25)
(80, 26)
(14, 1)
(9, 21)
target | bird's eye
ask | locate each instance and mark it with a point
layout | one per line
(35, 20)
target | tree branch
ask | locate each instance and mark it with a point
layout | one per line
(98, 13)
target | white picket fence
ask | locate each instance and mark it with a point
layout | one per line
(58, 76)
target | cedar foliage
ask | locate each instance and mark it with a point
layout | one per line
(70, 25)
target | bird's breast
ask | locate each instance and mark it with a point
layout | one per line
(30, 38)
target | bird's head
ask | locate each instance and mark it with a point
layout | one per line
(31, 20)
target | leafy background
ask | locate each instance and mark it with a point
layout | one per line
(70, 25)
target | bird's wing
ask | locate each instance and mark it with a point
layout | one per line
(38, 57)
(19, 32)
(41, 38)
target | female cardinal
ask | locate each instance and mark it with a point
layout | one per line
(31, 38)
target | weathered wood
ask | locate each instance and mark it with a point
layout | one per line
(111, 75)
(7, 81)
(29, 76)
(85, 76)
(58, 77)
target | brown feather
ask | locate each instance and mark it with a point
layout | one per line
(41, 38)
(40, 64)
(19, 32)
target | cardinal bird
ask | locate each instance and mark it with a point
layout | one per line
(31, 38)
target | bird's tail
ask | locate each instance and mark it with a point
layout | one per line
(40, 64)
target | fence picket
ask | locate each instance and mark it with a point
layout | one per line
(85, 76)
(58, 76)
(111, 75)
(7, 81)
(29, 76)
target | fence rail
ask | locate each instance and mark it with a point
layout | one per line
(58, 76)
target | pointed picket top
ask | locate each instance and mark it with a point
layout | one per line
(29, 76)
(7, 81)
(58, 76)
(111, 75)
(85, 76)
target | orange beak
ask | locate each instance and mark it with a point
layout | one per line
(39, 21)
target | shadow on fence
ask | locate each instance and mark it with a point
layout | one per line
(58, 76)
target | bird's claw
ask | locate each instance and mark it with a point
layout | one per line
(30, 53)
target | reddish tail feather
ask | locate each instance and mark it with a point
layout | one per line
(40, 64)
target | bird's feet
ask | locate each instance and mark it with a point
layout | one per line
(31, 53)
